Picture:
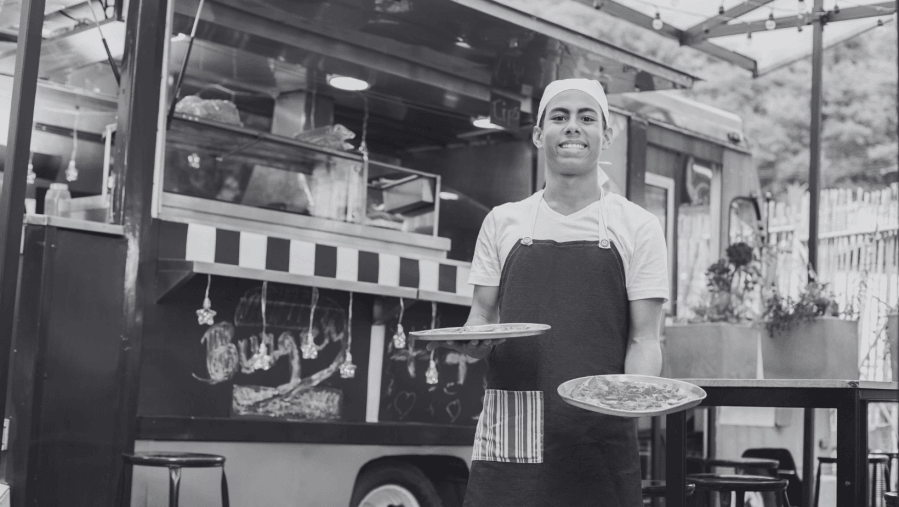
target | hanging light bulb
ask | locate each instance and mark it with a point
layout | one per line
(721, 9)
(836, 8)
(399, 337)
(347, 368)
(770, 24)
(308, 349)
(32, 176)
(71, 170)
(206, 314)
(657, 23)
(431, 376)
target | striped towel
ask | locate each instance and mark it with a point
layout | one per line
(510, 428)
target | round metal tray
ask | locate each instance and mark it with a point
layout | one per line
(696, 395)
(483, 332)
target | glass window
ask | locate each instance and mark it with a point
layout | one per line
(695, 233)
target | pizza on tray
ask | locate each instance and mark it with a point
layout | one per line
(629, 395)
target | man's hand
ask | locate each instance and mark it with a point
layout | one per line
(484, 310)
(478, 349)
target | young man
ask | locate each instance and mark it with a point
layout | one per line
(594, 267)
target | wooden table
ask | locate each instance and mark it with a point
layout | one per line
(850, 398)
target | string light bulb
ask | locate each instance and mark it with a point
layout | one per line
(721, 9)
(657, 23)
(32, 176)
(72, 170)
(836, 8)
(770, 24)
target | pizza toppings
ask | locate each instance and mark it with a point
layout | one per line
(629, 395)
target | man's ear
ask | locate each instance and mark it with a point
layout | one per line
(607, 138)
(537, 137)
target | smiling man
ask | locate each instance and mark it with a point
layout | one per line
(594, 267)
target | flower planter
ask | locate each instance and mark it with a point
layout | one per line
(711, 350)
(893, 336)
(823, 348)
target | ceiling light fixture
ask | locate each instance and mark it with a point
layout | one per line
(483, 122)
(347, 83)
(657, 23)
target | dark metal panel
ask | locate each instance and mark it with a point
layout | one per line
(12, 196)
(235, 430)
(772, 397)
(134, 157)
(636, 160)
(676, 459)
(25, 388)
(852, 445)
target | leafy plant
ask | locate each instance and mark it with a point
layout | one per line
(731, 283)
(783, 312)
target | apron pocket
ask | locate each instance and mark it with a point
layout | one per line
(510, 428)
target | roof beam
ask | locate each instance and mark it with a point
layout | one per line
(696, 31)
(849, 13)
(642, 20)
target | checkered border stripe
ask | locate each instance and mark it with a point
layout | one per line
(205, 243)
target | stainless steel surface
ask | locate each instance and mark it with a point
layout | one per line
(74, 49)
(207, 268)
(75, 224)
(697, 394)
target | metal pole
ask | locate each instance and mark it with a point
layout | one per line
(814, 188)
(15, 177)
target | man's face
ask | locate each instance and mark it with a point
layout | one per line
(572, 134)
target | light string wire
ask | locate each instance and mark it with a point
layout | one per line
(349, 327)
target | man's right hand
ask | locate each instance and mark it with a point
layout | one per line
(478, 349)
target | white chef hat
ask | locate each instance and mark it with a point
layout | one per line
(589, 86)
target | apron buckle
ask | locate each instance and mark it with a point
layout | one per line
(604, 243)
(527, 241)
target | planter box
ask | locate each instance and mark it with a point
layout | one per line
(823, 348)
(893, 336)
(711, 350)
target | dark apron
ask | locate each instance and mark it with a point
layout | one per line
(532, 448)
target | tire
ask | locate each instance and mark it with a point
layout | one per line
(394, 484)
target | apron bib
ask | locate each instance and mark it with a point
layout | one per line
(531, 448)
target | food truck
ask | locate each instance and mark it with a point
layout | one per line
(266, 205)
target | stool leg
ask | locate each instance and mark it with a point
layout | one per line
(126, 467)
(817, 484)
(741, 499)
(724, 497)
(226, 502)
(174, 485)
(784, 500)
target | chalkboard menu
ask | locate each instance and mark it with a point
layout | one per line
(406, 395)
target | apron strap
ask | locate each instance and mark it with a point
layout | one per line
(604, 241)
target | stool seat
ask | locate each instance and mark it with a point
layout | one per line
(891, 499)
(763, 463)
(174, 459)
(739, 483)
(657, 489)
(872, 458)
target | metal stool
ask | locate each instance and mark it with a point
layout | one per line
(891, 499)
(891, 456)
(746, 465)
(739, 484)
(656, 489)
(174, 461)
(877, 466)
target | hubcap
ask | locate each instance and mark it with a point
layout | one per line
(389, 495)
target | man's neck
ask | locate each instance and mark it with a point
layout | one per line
(568, 194)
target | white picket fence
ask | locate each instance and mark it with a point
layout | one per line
(858, 255)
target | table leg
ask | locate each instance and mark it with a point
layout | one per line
(852, 452)
(808, 455)
(676, 459)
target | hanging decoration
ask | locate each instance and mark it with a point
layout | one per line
(309, 349)
(72, 170)
(347, 368)
(262, 347)
(657, 23)
(399, 337)
(32, 176)
(431, 375)
(206, 314)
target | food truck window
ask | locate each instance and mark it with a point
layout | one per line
(659, 200)
(744, 218)
(696, 241)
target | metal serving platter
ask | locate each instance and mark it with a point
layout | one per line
(483, 332)
(696, 395)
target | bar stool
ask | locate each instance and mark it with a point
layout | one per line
(891, 456)
(891, 499)
(174, 461)
(877, 466)
(656, 489)
(747, 465)
(725, 484)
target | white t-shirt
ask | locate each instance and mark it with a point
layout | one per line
(636, 233)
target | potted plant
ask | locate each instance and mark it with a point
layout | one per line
(721, 341)
(807, 338)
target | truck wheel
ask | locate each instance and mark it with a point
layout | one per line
(394, 484)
